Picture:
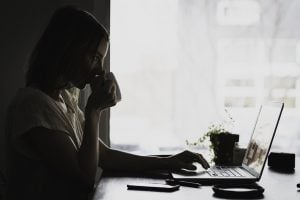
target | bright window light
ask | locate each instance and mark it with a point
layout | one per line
(178, 70)
(238, 12)
(298, 52)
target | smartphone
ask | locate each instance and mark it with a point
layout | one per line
(160, 187)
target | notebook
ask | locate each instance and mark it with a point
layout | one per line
(255, 157)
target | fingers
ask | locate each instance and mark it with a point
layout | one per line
(109, 102)
(187, 166)
(185, 160)
(110, 96)
(97, 82)
(104, 95)
(195, 157)
(108, 89)
(112, 93)
(203, 162)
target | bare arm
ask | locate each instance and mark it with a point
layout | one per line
(111, 159)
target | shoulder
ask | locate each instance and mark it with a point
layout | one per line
(31, 107)
(26, 98)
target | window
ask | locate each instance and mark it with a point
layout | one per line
(238, 12)
(181, 63)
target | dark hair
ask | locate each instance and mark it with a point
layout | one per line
(70, 34)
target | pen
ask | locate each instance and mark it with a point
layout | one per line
(183, 183)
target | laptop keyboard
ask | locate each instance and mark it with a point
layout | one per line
(218, 171)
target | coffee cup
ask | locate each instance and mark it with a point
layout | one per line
(99, 80)
(111, 76)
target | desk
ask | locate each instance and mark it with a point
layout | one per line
(277, 187)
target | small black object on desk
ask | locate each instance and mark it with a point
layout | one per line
(233, 191)
(158, 187)
(183, 183)
(284, 162)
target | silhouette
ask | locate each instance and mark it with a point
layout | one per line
(53, 148)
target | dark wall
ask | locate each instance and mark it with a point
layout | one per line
(21, 24)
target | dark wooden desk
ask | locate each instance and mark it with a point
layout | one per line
(277, 186)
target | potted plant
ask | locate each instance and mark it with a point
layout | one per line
(223, 145)
(222, 142)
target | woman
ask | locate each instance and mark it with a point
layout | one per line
(53, 147)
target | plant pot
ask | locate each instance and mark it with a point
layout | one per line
(238, 155)
(223, 145)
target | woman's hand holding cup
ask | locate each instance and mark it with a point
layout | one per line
(105, 92)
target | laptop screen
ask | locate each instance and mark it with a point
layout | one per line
(261, 139)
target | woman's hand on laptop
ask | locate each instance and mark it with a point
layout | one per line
(185, 160)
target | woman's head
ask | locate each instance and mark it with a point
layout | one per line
(68, 46)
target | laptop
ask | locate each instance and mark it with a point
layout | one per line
(254, 159)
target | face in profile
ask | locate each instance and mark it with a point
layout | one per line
(89, 66)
